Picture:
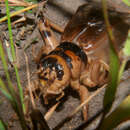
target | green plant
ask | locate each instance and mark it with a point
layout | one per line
(9, 91)
(2, 125)
(16, 8)
(127, 2)
(115, 75)
(16, 99)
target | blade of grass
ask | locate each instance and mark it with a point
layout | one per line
(126, 52)
(2, 125)
(112, 86)
(115, 74)
(122, 68)
(4, 90)
(126, 49)
(14, 102)
(114, 68)
(127, 2)
(114, 63)
(14, 56)
(6, 70)
(119, 115)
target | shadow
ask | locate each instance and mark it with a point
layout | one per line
(81, 126)
(92, 89)
(85, 124)
(1, 14)
(38, 121)
(58, 127)
(52, 101)
(127, 65)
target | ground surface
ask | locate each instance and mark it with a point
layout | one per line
(59, 12)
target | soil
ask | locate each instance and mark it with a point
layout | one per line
(59, 12)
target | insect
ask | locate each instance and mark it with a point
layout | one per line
(81, 58)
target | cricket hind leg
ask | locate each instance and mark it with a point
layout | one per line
(95, 74)
(101, 69)
(84, 94)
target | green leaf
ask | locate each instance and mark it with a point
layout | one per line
(2, 125)
(33, 1)
(5, 66)
(114, 67)
(13, 55)
(4, 90)
(16, 8)
(112, 86)
(127, 2)
(117, 116)
(126, 49)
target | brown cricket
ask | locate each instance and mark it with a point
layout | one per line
(81, 58)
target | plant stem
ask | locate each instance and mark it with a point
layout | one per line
(14, 56)
(13, 99)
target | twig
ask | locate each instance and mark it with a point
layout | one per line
(21, 11)
(55, 26)
(51, 111)
(17, 2)
(29, 82)
(87, 100)
(22, 19)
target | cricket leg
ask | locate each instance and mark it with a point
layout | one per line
(84, 94)
(48, 37)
